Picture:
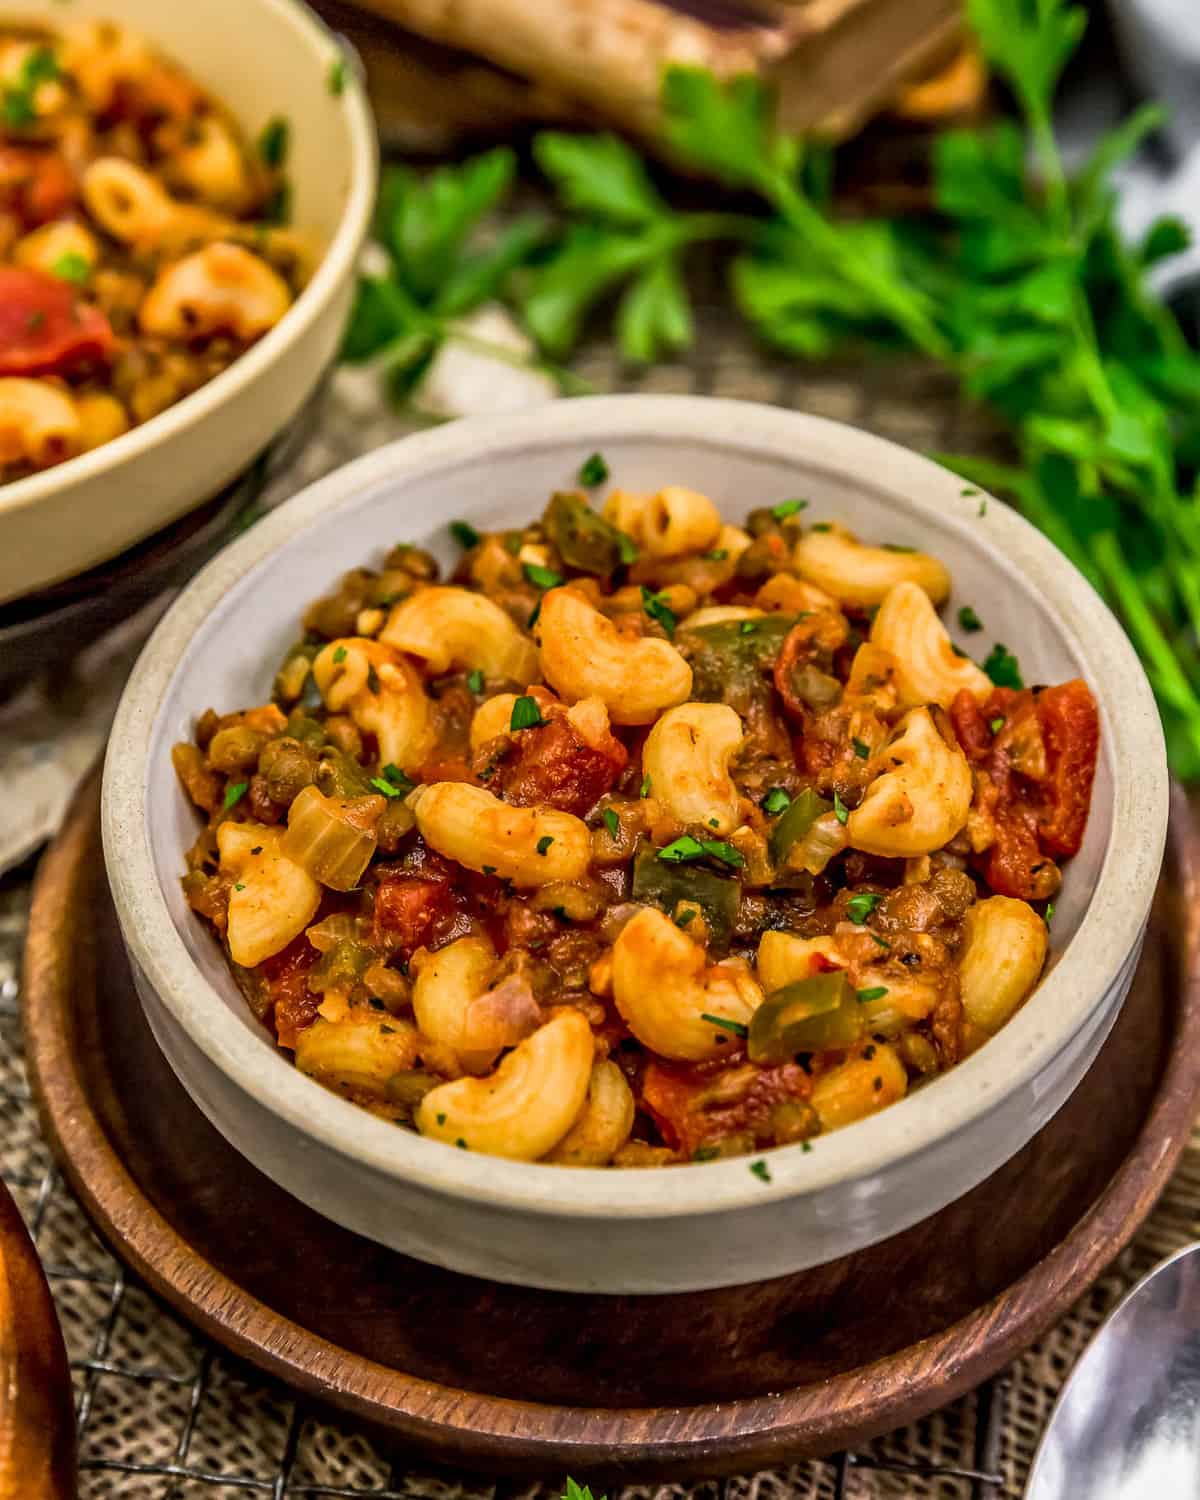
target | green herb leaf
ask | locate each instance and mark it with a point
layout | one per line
(735, 1027)
(274, 141)
(335, 80)
(706, 1153)
(860, 906)
(475, 681)
(876, 992)
(544, 843)
(968, 620)
(996, 724)
(525, 714)
(861, 748)
(658, 609)
(594, 471)
(787, 508)
(775, 801)
(718, 554)
(1003, 668)
(464, 534)
(234, 794)
(599, 176)
(840, 811)
(612, 823)
(761, 1171)
(654, 318)
(644, 789)
(542, 578)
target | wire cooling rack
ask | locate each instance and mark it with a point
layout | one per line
(162, 1414)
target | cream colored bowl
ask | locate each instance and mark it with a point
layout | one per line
(652, 1230)
(262, 58)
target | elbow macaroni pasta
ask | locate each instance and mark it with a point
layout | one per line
(583, 655)
(601, 874)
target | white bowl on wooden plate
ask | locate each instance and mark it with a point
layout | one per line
(261, 58)
(687, 1227)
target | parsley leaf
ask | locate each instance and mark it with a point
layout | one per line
(274, 141)
(776, 801)
(72, 267)
(612, 823)
(658, 609)
(860, 906)
(234, 794)
(736, 1027)
(876, 992)
(761, 1171)
(475, 681)
(542, 578)
(687, 848)
(1003, 668)
(968, 620)
(593, 471)
(464, 534)
(544, 843)
(787, 508)
(840, 811)
(525, 714)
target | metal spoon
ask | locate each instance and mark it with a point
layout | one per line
(1127, 1424)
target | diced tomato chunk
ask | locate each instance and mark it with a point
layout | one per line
(408, 913)
(700, 1106)
(970, 725)
(35, 184)
(554, 766)
(284, 977)
(44, 327)
(1071, 732)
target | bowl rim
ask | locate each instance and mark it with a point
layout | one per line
(1089, 968)
(335, 266)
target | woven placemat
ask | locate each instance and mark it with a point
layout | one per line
(163, 1415)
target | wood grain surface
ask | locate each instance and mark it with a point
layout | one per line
(37, 1416)
(507, 1379)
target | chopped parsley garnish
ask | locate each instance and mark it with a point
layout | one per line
(806, 1147)
(968, 492)
(761, 1171)
(706, 1153)
(339, 655)
(996, 725)
(883, 942)
(17, 106)
(234, 794)
(821, 526)
(461, 1144)
(644, 789)
(612, 823)
(982, 509)
(512, 543)
(861, 749)
(441, 1119)
(876, 992)
(393, 782)
(658, 609)
(525, 714)
(718, 554)
(239, 886)
(593, 470)
(336, 80)
(542, 578)
(533, 615)
(464, 534)
(747, 627)
(860, 907)
(489, 869)
(387, 1030)
(475, 681)
(787, 508)
(689, 848)
(968, 619)
(776, 801)
(72, 267)
(1003, 668)
(274, 140)
(544, 842)
(840, 811)
(373, 683)
(896, 547)
(257, 849)
(736, 1027)
(685, 918)
(1049, 912)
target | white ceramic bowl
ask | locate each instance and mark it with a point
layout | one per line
(262, 58)
(643, 1231)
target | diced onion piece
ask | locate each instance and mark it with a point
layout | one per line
(333, 838)
(824, 839)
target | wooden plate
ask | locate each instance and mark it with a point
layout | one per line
(507, 1379)
(37, 1418)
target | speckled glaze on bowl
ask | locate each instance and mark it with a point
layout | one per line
(688, 1227)
(261, 58)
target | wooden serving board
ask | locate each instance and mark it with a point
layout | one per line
(37, 1417)
(507, 1379)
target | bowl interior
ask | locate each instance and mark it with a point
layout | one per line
(220, 645)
